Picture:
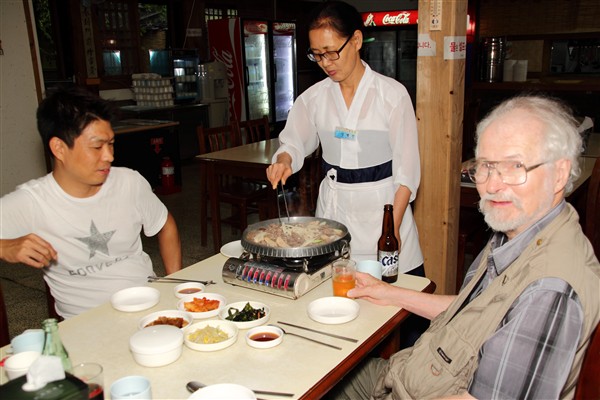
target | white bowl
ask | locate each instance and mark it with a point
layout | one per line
(187, 317)
(224, 313)
(135, 298)
(156, 346)
(18, 364)
(232, 249)
(223, 391)
(333, 310)
(264, 337)
(187, 287)
(205, 314)
(228, 327)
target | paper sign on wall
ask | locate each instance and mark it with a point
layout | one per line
(455, 47)
(425, 45)
(194, 32)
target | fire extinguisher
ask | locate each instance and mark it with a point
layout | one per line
(167, 177)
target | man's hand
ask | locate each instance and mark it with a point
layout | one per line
(372, 289)
(31, 250)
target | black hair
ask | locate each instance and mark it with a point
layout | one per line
(66, 112)
(340, 16)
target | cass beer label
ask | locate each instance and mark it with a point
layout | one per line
(389, 260)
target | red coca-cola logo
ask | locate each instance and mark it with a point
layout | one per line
(396, 17)
(370, 20)
(226, 57)
(400, 19)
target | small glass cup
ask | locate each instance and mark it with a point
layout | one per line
(343, 276)
(91, 374)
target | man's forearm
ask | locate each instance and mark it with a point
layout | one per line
(169, 245)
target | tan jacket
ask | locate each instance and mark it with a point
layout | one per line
(445, 358)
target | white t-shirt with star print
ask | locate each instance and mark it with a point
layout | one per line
(97, 238)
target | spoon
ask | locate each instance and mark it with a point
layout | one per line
(307, 338)
(192, 386)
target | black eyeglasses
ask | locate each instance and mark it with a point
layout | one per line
(328, 55)
(511, 172)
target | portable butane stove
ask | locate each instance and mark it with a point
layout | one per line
(290, 272)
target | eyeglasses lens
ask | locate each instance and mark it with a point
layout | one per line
(511, 173)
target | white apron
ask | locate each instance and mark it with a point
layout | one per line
(359, 206)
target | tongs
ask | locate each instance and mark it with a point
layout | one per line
(166, 279)
(287, 211)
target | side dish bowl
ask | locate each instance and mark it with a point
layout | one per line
(203, 314)
(264, 337)
(226, 327)
(156, 346)
(239, 306)
(188, 288)
(186, 316)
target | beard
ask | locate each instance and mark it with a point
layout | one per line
(506, 220)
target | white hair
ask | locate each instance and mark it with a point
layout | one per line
(563, 140)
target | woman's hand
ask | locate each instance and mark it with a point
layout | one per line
(280, 170)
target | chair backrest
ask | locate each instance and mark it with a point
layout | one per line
(592, 213)
(4, 336)
(255, 130)
(588, 383)
(218, 138)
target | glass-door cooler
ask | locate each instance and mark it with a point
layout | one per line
(256, 51)
(284, 56)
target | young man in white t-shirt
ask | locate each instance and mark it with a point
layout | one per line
(81, 223)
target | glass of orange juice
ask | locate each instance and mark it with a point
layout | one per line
(343, 276)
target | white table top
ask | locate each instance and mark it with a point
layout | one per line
(102, 335)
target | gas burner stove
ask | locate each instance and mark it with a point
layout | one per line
(286, 277)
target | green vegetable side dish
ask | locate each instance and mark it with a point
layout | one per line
(248, 313)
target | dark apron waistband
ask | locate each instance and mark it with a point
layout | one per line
(360, 175)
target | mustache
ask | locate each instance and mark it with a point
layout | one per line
(499, 197)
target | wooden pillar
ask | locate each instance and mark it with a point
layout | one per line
(439, 110)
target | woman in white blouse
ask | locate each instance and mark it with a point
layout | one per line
(366, 126)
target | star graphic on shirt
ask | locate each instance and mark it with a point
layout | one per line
(97, 241)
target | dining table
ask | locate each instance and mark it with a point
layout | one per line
(303, 368)
(248, 161)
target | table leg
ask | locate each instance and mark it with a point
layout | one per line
(203, 203)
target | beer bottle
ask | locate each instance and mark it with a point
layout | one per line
(53, 345)
(387, 246)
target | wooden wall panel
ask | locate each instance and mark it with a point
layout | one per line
(518, 17)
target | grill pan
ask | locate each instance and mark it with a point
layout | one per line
(341, 245)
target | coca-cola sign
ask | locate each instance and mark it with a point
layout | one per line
(387, 18)
(226, 46)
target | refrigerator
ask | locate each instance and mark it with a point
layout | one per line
(390, 45)
(260, 57)
(182, 66)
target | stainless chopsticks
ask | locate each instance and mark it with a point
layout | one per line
(287, 211)
(316, 331)
(165, 279)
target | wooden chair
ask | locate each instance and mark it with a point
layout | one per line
(592, 213)
(255, 130)
(241, 194)
(588, 384)
(4, 335)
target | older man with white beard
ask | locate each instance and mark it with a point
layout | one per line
(522, 321)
